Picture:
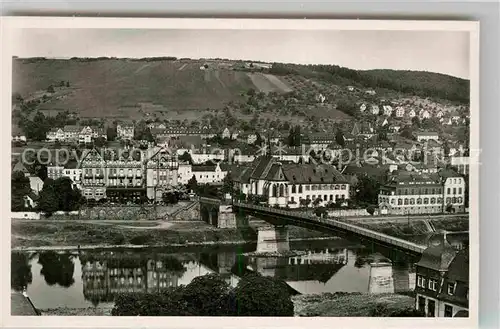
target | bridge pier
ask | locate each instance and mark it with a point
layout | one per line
(272, 239)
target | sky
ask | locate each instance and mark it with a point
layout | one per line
(444, 52)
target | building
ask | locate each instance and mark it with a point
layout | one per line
(31, 200)
(55, 171)
(251, 138)
(400, 112)
(124, 177)
(93, 180)
(412, 113)
(461, 164)
(204, 155)
(184, 173)
(36, 184)
(375, 109)
(362, 108)
(73, 171)
(319, 141)
(19, 166)
(125, 131)
(161, 173)
(370, 92)
(422, 193)
(55, 134)
(387, 110)
(75, 134)
(442, 281)
(439, 114)
(291, 185)
(424, 114)
(427, 135)
(454, 190)
(208, 174)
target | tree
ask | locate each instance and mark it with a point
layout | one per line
(206, 295)
(256, 295)
(57, 195)
(370, 210)
(100, 142)
(367, 190)
(67, 84)
(57, 268)
(251, 92)
(449, 208)
(170, 198)
(407, 132)
(111, 133)
(339, 138)
(50, 89)
(317, 201)
(415, 121)
(320, 212)
(20, 271)
(258, 140)
(20, 186)
(186, 157)
(193, 184)
(228, 184)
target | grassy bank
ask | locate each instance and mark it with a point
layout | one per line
(337, 304)
(66, 233)
(351, 304)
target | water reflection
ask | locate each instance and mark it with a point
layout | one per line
(57, 268)
(97, 277)
(20, 271)
(107, 274)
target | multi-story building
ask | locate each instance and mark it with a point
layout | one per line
(93, 180)
(454, 190)
(400, 112)
(74, 172)
(442, 281)
(55, 134)
(461, 164)
(291, 185)
(125, 179)
(387, 110)
(55, 171)
(421, 193)
(161, 173)
(125, 131)
(209, 174)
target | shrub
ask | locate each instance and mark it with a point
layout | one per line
(370, 210)
(256, 295)
(139, 240)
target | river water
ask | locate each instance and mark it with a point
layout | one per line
(84, 279)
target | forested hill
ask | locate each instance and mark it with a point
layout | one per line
(420, 83)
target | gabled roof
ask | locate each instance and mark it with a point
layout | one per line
(439, 255)
(19, 166)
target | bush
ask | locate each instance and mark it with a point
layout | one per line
(370, 210)
(256, 295)
(139, 240)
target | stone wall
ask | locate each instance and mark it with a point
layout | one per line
(190, 212)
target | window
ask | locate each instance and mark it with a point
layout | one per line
(421, 303)
(342, 187)
(406, 201)
(294, 189)
(454, 190)
(433, 200)
(448, 200)
(423, 283)
(459, 199)
(393, 201)
(459, 190)
(331, 197)
(426, 200)
(454, 200)
(448, 191)
(337, 187)
(439, 200)
(400, 202)
(412, 201)
(419, 281)
(419, 201)
(300, 188)
(431, 308)
(432, 285)
(451, 288)
(448, 311)
(307, 188)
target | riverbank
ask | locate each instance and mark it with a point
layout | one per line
(54, 235)
(334, 305)
(351, 304)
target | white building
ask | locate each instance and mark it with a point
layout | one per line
(424, 114)
(461, 164)
(412, 113)
(454, 190)
(375, 109)
(387, 110)
(400, 112)
(184, 173)
(427, 135)
(292, 185)
(204, 174)
(125, 131)
(362, 108)
(36, 184)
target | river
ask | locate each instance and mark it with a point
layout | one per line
(84, 279)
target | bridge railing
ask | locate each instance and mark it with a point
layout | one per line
(349, 227)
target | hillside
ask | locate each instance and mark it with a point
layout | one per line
(423, 84)
(119, 87)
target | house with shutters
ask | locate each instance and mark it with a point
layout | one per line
(442, 280)
(400, 112)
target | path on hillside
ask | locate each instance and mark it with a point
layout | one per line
(182, 67)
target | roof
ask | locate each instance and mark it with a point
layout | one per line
(20, 167)
(459, 267)
(203, 168)
(439, 255)
(32, 195)
(462, 314)
(426, 133)
(311, 173)
(73, 128)
(21, 305)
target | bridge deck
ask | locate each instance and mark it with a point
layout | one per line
(361, 231)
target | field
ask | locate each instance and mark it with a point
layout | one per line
(122, 88)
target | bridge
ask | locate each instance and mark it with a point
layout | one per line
(275, 238)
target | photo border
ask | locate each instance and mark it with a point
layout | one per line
(11, 23)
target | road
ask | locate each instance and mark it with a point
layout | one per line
(400, 219)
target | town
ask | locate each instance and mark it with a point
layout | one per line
(384, 168)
